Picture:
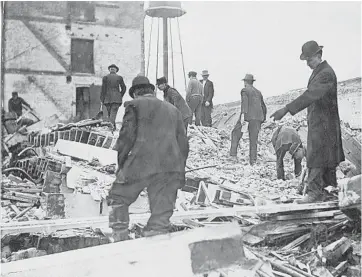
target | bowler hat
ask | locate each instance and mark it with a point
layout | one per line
(140, 81)
(205, 73)
(161, 80)
(192, 73)
(113, 65)
(309, 49)
(249, 77)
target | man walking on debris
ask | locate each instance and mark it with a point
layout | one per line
(286, 139)
(111, 95)
(152, 151)
(172, 96)
(15, 104)
(253, 111)
(194, 97)
(324, 144)
(207, 105)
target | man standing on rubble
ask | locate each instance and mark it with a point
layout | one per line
(152, 151)
(253, 111)
(172, 96)
(207, 105)
(324, 144)
(194, 97)
(15, 104)
(286, 139)
(111, 95)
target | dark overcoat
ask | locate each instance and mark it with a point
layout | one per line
(324, 143)
(252, 104)
(152, 140)
(172, 96)
(111, 92)
(208, 92)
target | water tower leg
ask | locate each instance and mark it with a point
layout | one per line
(165, 48)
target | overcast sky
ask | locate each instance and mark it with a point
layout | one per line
(231, 39)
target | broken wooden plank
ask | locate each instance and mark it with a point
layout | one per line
(86, 152)
(334, 251)
(195, 251)
(352, 149)
(53, 225)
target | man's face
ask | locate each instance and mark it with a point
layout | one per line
(15, 96)
(161, 87)
(205, 77)
(245, 83)
(113, 70)
(313, 62)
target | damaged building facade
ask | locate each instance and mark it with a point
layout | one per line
(56, 53)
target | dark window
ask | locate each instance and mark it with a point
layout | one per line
(82, 11)
(82, 56)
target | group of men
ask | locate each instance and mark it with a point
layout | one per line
(153, 146)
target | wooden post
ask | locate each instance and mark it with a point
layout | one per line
(165, 48)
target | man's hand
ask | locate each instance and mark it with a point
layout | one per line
(207, 103)
(279, 114)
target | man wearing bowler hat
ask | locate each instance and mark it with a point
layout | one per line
(253, 111)
(207, 105)
(111, 94)
(324, 143)
(172, 96)
(152, 151)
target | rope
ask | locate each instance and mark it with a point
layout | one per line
(173, 69)
(158, 42)
(182, 56)
(149, 49)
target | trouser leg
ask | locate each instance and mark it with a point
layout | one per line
(236, 135)
(297, 167)
(113, 113)
(206, 116)
(254, 128)
(120, 197)
(315, 184)
(280, 161)
(162, 193)
(198, 111)
(186, 123)
(329, 177)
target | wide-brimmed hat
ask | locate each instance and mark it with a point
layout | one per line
(205, 73)
(192, 73)
(249, 77)
(138, 82)
(161, 80)
(309, 49)
(113, 65)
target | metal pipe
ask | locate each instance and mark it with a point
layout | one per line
(165, 48)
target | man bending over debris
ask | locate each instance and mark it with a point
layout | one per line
(324, 143)
(286, 139)
(152, 151)
(172, 96)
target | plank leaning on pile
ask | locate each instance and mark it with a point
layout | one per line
(152, 151)
(324, 143)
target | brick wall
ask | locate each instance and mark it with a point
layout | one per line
(27, 48)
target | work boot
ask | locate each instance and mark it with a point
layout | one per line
(119, 235)
(151, 233)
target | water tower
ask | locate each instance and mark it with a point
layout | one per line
(165, 10)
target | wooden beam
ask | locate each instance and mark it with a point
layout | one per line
(195, 251)
(352, 149)
(33, 72)
(53, 225)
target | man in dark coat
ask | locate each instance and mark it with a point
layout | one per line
(152, 151)
(111, 95)
(286, 139)
(15, 104)
(253, 111)
(172, 96)
(324, 144)
(207, 105)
